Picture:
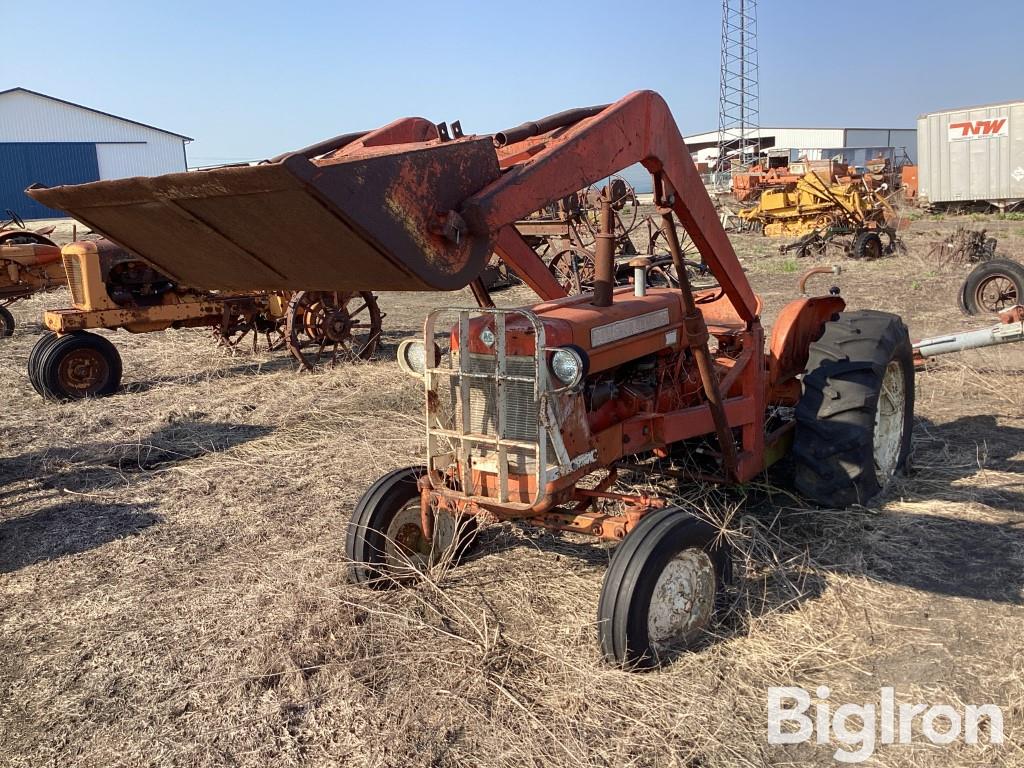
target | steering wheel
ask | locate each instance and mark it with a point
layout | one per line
(16, 220)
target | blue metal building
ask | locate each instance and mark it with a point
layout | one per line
(50, 141)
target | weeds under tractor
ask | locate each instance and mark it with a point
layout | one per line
(532, 413)
(29, 263)
(112, 288)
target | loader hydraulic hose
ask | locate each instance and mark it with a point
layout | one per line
(321, 147)
(545, 124)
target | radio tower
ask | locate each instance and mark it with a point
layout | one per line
(738, 130)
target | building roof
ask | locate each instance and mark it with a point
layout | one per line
(96, 111)
(1009, 103)
(827, 128)
(764, 128)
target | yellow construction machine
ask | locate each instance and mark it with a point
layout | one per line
(815, 211)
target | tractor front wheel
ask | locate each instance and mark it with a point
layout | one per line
(75, 365)
(386, 543)
(6, 323)
(854, 419)
(663, 588)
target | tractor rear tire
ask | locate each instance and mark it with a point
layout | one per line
(992, 286)
(74, 366)
(854, 419)
(665, 584)
(867, 245)
(6, 323)
(385, 543)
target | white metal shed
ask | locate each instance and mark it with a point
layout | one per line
(51, 141)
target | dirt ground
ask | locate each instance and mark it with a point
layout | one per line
(172, 583)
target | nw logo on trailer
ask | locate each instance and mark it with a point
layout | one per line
(978, 129)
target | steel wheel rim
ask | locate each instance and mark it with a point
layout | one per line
(996, 293)
(407, 550)
(683, 600)
(889, 420)
(324, 324)
(359, 331)
(83, 371)
(574, 270)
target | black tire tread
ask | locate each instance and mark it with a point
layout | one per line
(6, 323)
(33, 360)
(364, 540)
(860, 244)
(833, 448)
(48, 362)
(361, 549)
(617, 604)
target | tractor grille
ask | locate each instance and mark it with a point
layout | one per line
(73, 268)
(485, 418)
(520, 406)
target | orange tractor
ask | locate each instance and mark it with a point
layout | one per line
(29, 263)
(113, 289)
(533, 412)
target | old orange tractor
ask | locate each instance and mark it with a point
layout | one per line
(112, 288)
(532, 413)
(29, 263)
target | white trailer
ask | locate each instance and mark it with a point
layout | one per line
(972, 154)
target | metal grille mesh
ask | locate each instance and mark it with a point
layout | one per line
(521, 415)
(520, 407)
(73, 268)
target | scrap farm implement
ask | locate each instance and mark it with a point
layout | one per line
(532, 413)
(112, 288)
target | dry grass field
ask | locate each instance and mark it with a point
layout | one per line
(172, 587)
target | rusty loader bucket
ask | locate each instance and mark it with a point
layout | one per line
(369, 217)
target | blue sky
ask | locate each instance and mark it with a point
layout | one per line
(251, 79)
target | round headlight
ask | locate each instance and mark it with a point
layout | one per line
(412, 356)
(487, 337)
(567, 365)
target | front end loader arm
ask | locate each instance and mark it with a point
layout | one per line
(636, 129)
(400, 208)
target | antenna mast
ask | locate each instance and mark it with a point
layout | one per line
(738, 122)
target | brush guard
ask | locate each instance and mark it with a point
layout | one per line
(489, 413)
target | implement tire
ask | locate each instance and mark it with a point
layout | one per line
(992, 286)
(867, 245)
